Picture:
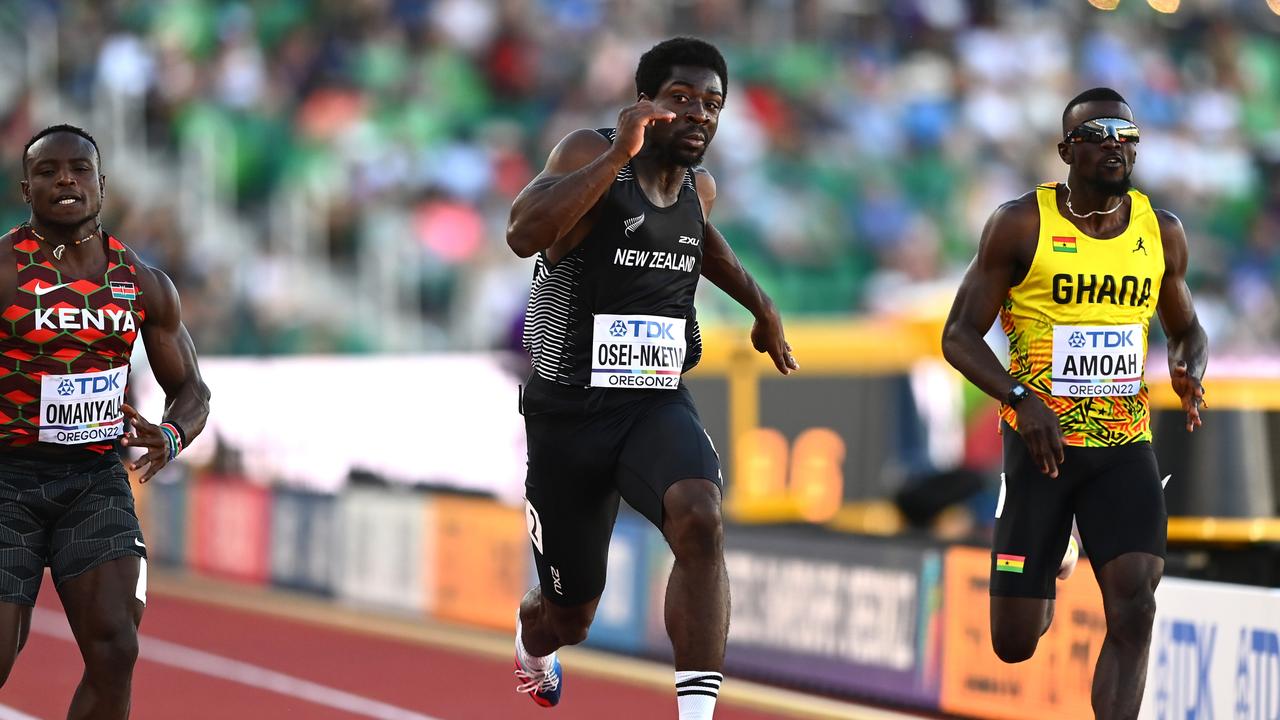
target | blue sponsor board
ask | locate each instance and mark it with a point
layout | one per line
(829, 612)
(620, 618)
(304, 540)
(1257, 677)
(838, 614)
(1183, 657)
(1215, 653)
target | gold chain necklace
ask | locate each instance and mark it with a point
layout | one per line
(58, 251)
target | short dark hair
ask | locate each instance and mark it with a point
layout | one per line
(60, 128)
(655, 65)
(1098, 94)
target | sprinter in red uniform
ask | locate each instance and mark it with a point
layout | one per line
(75, 299)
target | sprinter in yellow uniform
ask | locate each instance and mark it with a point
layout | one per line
(1075, 272)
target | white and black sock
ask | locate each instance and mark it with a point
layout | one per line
(696, 693)
(532, 663)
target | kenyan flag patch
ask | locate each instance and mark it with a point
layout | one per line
(1010, 563)
(124, 291)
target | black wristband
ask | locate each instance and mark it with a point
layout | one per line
(1017, 395)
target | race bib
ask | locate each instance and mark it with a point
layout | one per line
(637, 351)
(82, 408)
(1097, 360)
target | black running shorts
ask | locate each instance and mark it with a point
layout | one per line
(1114, 493)
(587, 448)
(71, 516)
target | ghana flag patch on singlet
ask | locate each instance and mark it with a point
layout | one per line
(1010, 563)
(1064, 243)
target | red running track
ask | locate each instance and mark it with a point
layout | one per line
(205, 661)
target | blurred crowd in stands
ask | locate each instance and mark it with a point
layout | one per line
(863, 144)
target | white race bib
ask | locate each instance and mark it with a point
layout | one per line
(1098, 360)
(82, 408)
(637, 351)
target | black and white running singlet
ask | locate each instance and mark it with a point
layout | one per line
(617, 311)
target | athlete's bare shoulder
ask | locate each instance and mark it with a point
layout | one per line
(1018, 214)
(8, 267)
(1173, 238)
(706, 185)
(577, 150)
(159, 294)
(1012, 231)
(1169, 222)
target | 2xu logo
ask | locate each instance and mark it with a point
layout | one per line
(534, 523)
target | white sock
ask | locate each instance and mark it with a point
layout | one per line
(527, 660)
(696, 693)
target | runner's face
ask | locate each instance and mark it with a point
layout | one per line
(62, 183)
(1107, 165)
(696, 96)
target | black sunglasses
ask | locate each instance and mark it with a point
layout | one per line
(1099, 129)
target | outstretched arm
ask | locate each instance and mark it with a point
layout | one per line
(173, 362)
(721, 266)
(1188, 343)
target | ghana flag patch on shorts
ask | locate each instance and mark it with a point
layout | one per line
(1010, 563)
(1064, 243)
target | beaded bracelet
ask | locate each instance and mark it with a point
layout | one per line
(173, 437)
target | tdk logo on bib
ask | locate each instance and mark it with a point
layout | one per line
(88, 385)
(647, 329)
(1101, 339)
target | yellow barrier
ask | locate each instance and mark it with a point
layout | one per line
(879, 347)
(1224, 530)
(876, 347)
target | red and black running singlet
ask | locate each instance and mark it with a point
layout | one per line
(64, 349)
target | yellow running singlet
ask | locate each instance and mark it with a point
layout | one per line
(1077, 324)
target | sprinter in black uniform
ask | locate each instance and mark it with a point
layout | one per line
(618, 221)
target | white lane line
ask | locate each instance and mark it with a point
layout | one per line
(164, 652)
(8, 713)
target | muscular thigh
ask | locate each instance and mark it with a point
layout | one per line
(1120, 509)
(665, 444)
(105, 602)
(1033, 523)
